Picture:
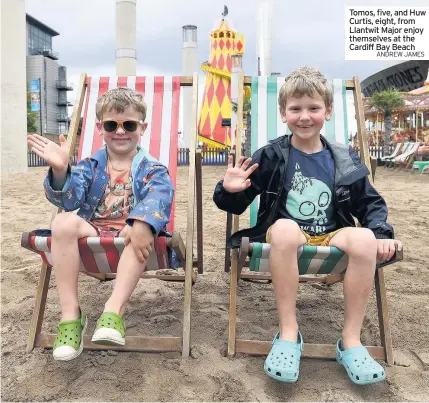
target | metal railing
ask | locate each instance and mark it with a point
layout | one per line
(64, 85)
(45, 52)
(211, 156)
(378, 152)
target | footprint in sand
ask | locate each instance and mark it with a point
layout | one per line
(229, 389)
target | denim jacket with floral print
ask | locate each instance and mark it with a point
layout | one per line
(87, 181)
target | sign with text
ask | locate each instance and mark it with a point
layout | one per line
(35, 95)
(386, 33)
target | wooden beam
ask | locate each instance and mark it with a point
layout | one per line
(190, 224)
(165, 277)
(77, 112)
(360, 118)
(199, 197)
(325, 351)
(132, 343)
(232, 321)
(39, 306)
(350, 85)
(307, 278)
(383, 316)
(236, 218)
(178, 246)
(186, 81)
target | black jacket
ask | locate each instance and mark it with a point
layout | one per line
(354, 195)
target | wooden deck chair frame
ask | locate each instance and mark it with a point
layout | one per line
(139, 343)
(239, 257)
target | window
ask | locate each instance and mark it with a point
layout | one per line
(38, 39)
(62, 128)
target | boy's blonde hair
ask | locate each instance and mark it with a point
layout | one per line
(305, 81)
(119, 99)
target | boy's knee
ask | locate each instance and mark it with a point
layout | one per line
(284, 234)
(65, 224)
(364, 243)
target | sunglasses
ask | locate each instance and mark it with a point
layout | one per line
(128, 125)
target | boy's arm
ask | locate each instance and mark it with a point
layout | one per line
(237, 203)
(69, 192)
(156, 200)
(370, 209)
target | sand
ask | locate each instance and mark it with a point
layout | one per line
(156, 308)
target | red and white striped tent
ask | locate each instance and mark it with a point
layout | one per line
(100, 256)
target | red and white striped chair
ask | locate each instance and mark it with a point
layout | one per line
(100, 256)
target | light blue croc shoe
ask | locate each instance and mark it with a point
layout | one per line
(361, 368)
(282, 363)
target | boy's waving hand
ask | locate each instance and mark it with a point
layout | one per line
(56, 156)
(237, 178)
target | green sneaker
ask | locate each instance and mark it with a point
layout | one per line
(68, 343)
(110, 330)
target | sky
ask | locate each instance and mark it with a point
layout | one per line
(306, 32)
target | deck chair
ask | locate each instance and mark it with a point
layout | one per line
(407, 158)
(100, 256)
(394, 153)
(402, 153)
(316, 264)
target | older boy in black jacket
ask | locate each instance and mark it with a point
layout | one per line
(310, 190)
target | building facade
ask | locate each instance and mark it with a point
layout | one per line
(42, 65)
(13, 122)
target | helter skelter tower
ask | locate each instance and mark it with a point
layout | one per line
(225, 41)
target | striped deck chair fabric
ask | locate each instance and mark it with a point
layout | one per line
(267, 125)
(100, 255)
(395, 152)
(311, 259)
(162, 98)
(403, 159)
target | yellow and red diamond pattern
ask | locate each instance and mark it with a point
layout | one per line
(216, 103)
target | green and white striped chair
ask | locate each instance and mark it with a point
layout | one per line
(316, 263)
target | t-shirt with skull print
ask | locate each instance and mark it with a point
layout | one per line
(308, 197)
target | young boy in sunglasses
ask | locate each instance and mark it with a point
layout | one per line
(119, 191)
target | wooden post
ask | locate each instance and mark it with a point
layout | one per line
(362, 138)
(417, 124)
(199, 185)
(186, 342)
(232, 321)
(383, 316)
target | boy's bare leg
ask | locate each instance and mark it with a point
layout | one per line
(361, 246)
(129, 271)
(285, 239)
(67, 228)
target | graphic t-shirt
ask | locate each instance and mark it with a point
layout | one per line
(308, 196)
(117, 201)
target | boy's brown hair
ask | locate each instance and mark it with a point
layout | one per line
(305, 81)
(119, 99)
